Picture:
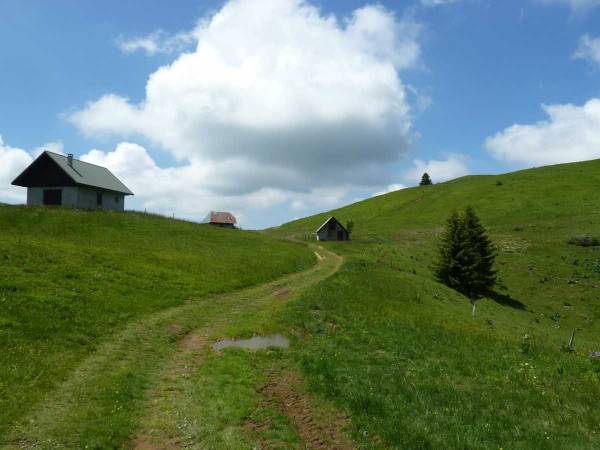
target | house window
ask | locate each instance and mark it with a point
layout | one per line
(98, 198)
(116, 198)
(52, 196)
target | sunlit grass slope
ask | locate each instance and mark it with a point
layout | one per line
(402, 354)
(71, 279)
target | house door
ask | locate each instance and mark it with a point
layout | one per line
(340, 236)
(52, 196)
(331, 230)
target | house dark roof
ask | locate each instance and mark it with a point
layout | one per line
(221, 218)
(79, 173)
(329, 220)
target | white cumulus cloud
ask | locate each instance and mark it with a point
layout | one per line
(588, 48)
(189, 189)
(454, 166)
(391, 188)
(277, 97)
(155, 42)
(12, 162)
(571, 133)
(53, 146)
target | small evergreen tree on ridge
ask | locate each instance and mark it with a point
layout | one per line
(425, 180)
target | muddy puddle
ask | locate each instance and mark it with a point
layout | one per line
(254, 343)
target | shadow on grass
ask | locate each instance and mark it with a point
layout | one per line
(507, 300)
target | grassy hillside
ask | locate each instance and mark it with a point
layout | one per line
(107, 323)
(71, 279)
(402, 355)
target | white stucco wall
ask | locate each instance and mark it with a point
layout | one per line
(78, 197)
(113, 201)
(86, 198)
(35, 196)
(110, 200)
(69, 196)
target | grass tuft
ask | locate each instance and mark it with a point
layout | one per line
(584, 241)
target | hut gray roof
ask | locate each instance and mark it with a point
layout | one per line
(72, 171)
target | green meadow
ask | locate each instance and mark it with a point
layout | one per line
(402, 354)
(71, 280)
(107, 323)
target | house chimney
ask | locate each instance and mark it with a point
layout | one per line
(70, 159)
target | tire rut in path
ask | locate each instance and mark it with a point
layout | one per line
(187, 359)
(284, 391)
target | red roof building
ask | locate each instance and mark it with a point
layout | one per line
(221, 219)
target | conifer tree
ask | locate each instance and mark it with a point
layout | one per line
(484, 252)
(350, 227)
(451, 262)
(466, 256)
(425, 180)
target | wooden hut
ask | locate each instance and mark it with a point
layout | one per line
(332, 230)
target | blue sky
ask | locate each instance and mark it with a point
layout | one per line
(359, 91)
